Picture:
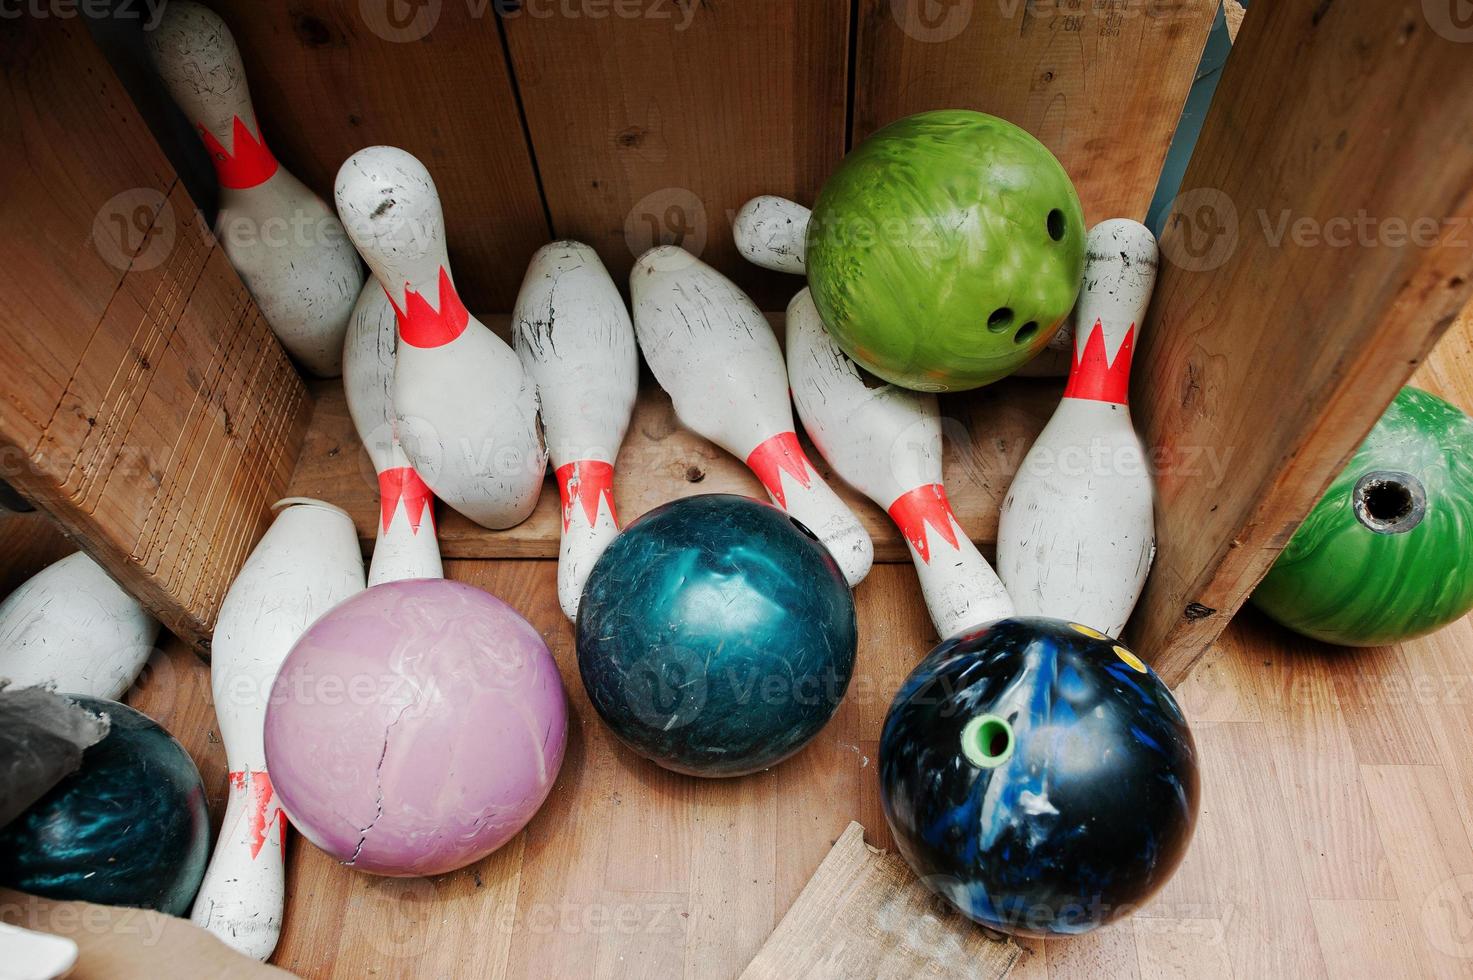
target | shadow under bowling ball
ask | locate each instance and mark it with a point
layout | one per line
(716, 636)
(130, 827)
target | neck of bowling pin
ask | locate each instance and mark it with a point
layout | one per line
(405, 546)
(960, 588)
(242, 895)
(427, 306)
(1103, 349)
(586, 488)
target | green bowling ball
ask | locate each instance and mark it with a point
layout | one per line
(946, 250)
(1384, 556)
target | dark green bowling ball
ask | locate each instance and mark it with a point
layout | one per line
(129, 827)
(1385, 555)
(716, 636)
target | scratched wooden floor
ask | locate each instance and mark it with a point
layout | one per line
(1334, 837)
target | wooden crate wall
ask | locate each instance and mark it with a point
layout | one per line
(627, 122)
(146, 405)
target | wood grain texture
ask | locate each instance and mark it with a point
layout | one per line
(149, 410)
(987, 434)
(1292, 304)
(1072, 74)
(865, 914)
(653, 121)
(330, 77)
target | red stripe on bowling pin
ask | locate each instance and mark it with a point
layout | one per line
(1094, 377)
(586, 482)
(261, 809)
(249, 164)
(778, 455)
(403, 483)
(421, 325)
(925, 505)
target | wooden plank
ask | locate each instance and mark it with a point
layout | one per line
(152, 413)
(330, 77)
(1291, 306)
(655, 120)
(1101, 84)
(865, 914)
(987, 432)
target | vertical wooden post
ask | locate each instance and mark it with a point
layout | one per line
(1322, 241)
(147, 407)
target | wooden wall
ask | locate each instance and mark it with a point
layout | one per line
(630, 122)
(146, 405)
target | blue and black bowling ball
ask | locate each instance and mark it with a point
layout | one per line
(1038, 776)
(716, 636)
(129, 827)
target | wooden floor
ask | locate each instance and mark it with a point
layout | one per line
(1335, 839)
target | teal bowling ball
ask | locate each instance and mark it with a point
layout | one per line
(716, 636)
(130, 827)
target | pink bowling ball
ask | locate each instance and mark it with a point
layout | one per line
(415, 728)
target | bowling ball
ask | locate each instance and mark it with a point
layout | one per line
(1383, 557)
(129, 827)
(1038, 776)
(716, 636)
(946, 250)
(415, 728)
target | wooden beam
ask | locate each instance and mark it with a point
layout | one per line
(147, 407)
(1322, 241)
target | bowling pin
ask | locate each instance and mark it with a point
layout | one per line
(466, 410)
(1076, 535)
(575, 340)
(285, 242)
(29, 955)
(405, 545)
(713, 351)
(772, 232)
(886, 442)
(72, 626)
(307, 562)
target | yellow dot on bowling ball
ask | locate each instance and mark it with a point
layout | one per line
(1093, 634)
(1131, 659)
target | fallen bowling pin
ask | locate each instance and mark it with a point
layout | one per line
(70, 625)
(714, 352)
(466, 410)
(1076, 535)
(404, 542)
(575, 339)
(285, 242)
(885, 441)
(307, 562)
(29, 955)
(772, 232)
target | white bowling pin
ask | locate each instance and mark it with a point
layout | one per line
(772, 232)
(285, 242)
(886, 442)
(307, 562)
(27, 955)
(405, 545)
(574, 337)
(1076, 535)
(72, 626)
(466, 410)
(713, 351)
